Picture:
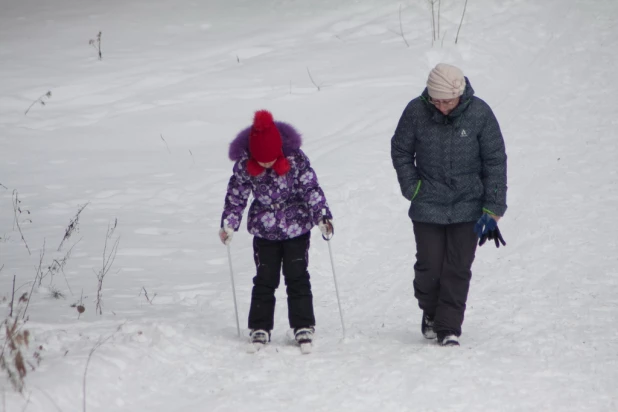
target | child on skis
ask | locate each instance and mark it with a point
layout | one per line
(287, 203)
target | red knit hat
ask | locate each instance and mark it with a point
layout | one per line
(265, 145)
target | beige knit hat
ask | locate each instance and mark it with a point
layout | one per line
(445, 82)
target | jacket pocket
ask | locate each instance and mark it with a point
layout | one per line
(479, 186)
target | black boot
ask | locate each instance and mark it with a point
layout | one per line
(427, 327)
(448, 339)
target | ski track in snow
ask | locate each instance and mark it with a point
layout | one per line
(142, 137)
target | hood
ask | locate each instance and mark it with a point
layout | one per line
(290, 138)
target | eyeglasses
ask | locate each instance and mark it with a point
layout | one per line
(447, 103)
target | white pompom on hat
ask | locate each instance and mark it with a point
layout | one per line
(445, 82)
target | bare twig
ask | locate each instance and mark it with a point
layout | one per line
(108, 261)
(433, 21)
(461, 22)
(97, 46)
(12, 297)
(73, 226)
(39, 100)
(66, 281)
(16, 209)
(1, 185)
(58, 266)
(52, 269)
(80, 308)
(38, 272)
(439, 7)
(312, 81)
(21, 286)
(168, 148)
(192, 158)
(401, 28)
(146, 295)
(96, 346)
(110, 232)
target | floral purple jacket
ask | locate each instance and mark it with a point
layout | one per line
(283, 207)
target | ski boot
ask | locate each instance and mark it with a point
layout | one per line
(304, 338)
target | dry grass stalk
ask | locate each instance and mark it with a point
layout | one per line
(96, 346)
(17, 210)
(433, 20)
(58, 266)
(313, 81)
(12, 298)
(40, 101)
(38, 274)
(73, 226)
(146, 295)
(108, 261)
(14, 359)
(401, 28)
(461, 22)
(79, 305)
(166, 145)
(96, 43)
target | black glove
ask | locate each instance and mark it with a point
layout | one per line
(487, 228)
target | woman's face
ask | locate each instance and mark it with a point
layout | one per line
(445, 106)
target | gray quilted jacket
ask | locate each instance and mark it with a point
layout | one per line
(451, 168)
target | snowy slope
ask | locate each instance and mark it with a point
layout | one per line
(141, 136)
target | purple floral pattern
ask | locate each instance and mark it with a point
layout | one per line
(283, 207)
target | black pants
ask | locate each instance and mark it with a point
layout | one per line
(444, 256)
(269, 256)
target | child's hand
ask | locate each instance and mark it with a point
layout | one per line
(326, 227)
(225, 235)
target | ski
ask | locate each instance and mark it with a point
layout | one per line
(306, 348)
(254, 347)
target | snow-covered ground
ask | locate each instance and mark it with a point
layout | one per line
(141, 136)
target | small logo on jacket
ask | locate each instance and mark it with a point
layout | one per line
(463, 133)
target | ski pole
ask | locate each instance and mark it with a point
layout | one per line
(332, 264)
(229, 258)
(330, 251)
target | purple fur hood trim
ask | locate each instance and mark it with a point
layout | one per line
(290, 137)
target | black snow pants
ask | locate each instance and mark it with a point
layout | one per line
(270, 256)
(444, 256)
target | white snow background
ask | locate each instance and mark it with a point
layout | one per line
(142, 137)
